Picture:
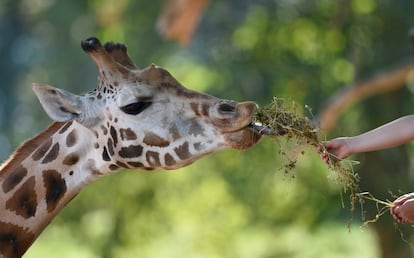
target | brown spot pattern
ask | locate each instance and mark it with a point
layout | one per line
(152, 139)
(197, 146)
(131, 151)
(114, 135)
(135, 164)
(55, 188)
(182, 151)
(104, 130)
(14, 240)
(110, 147)
(169, 160)
(121, 164)
(72, 138)
(24, 202)
(52, 154)
(65, 127)
(41, 151)
(127, 134)
(153, 158)
(105, 155)
(14, 178)
(194, 107)
(71, 159)
(174, 132)
(204, 109)
(188, 94)
(196, 129)
(113, 167)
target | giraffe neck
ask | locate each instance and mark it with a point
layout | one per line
(39, 179)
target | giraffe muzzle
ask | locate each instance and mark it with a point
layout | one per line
(261, 129)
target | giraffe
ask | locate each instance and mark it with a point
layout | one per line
(134, 119)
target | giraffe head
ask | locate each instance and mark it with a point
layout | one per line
(144, 118)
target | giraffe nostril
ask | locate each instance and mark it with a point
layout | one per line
(226, 108)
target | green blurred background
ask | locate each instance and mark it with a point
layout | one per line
(230, 204)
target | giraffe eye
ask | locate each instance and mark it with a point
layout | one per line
(136, 107)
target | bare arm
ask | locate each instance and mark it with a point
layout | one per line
(386, 136)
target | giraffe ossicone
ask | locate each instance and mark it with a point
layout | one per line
(134, 119)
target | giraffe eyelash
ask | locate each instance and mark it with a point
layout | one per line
(136, 107)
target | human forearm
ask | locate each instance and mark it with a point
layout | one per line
(389, 135)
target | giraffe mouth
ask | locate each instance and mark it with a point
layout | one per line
(261, 129)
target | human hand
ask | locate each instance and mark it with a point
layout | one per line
(403, 208)
(339, 148)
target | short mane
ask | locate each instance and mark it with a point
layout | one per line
(28, 147)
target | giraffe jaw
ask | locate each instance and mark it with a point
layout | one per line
(245, 138)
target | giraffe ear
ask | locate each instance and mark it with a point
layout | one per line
(60, 105)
